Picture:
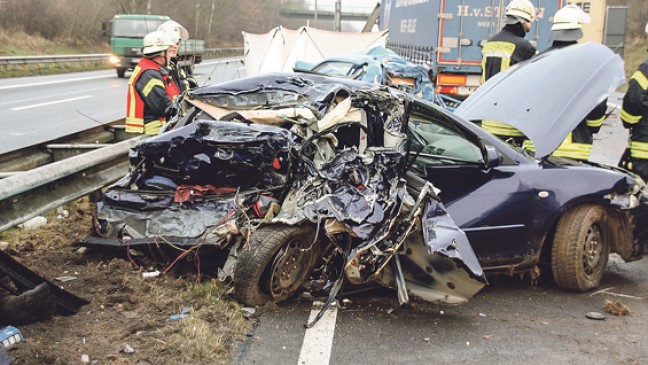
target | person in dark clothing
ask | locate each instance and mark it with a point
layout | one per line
(505, 49)
(566, 31)
(634, 115)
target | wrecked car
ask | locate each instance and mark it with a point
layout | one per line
(381, 66)
(297, 179)
(306, 180)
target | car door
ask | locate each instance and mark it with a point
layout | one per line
(494, 205)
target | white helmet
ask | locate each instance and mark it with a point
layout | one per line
(174, 30)
(520, 9)
(156, 42)
(570, 17)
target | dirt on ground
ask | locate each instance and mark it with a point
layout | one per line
(128, 320)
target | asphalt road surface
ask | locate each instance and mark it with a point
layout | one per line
(511, 321)
(41, 108)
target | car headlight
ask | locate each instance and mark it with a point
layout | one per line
(114, 60)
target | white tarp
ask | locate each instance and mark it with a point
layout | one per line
(280, 48)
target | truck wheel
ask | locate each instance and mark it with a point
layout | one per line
(276, 266)
(121, 72)
(581, 248)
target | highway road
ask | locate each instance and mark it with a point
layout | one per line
(40, 108)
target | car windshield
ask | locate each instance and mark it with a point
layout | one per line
(134, 28)
(338, 68)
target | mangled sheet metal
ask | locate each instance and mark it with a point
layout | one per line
(331, 155)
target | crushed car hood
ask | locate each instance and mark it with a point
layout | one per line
(547, 96)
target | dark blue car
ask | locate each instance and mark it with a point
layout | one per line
(535, 213)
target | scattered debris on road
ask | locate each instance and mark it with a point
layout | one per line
(616, 307)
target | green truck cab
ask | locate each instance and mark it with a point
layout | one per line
(127, 32)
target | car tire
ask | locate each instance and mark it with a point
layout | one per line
(277, 264)
(581, 248)
(121, 72)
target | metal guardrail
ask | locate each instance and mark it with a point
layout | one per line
(43, 177)
(21, 62)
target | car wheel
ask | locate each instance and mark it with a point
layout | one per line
(581, 248)
(276, 266)
(121, 72)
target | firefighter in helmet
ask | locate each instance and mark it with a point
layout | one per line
(150, 89)
(177, 33)
(634, 115)
(505, 49)
(566, 31)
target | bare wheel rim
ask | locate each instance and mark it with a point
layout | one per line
(592, 253)
(288, 267)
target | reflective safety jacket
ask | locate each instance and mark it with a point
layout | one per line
(150, 92)
(503, 50)
(634, 113)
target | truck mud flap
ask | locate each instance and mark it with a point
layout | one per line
(67, 303)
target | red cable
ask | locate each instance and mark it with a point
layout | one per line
(129, 256)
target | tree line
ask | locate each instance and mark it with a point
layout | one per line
(219, 22)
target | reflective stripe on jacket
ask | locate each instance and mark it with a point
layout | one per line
(634, 113)
(500, 129)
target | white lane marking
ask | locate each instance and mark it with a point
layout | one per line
(55, 82)
(318, 340)
(51, 102)
(76, 92)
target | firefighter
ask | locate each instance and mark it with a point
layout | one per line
(505, 49)
(566, 30)
(177, 33)
(150, 89)
(634, 115)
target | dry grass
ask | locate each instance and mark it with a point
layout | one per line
(23, 44)
(201, 338)
(57, 233)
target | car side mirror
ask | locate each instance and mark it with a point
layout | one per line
(493, 158)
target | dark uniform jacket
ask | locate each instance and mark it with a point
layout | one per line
(634, 113)
(505, 49)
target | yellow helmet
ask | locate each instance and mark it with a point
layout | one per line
(570, 17)
(156, 42)
(520, 9)
(174, 30)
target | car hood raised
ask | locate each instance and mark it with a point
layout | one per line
(547, 96)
